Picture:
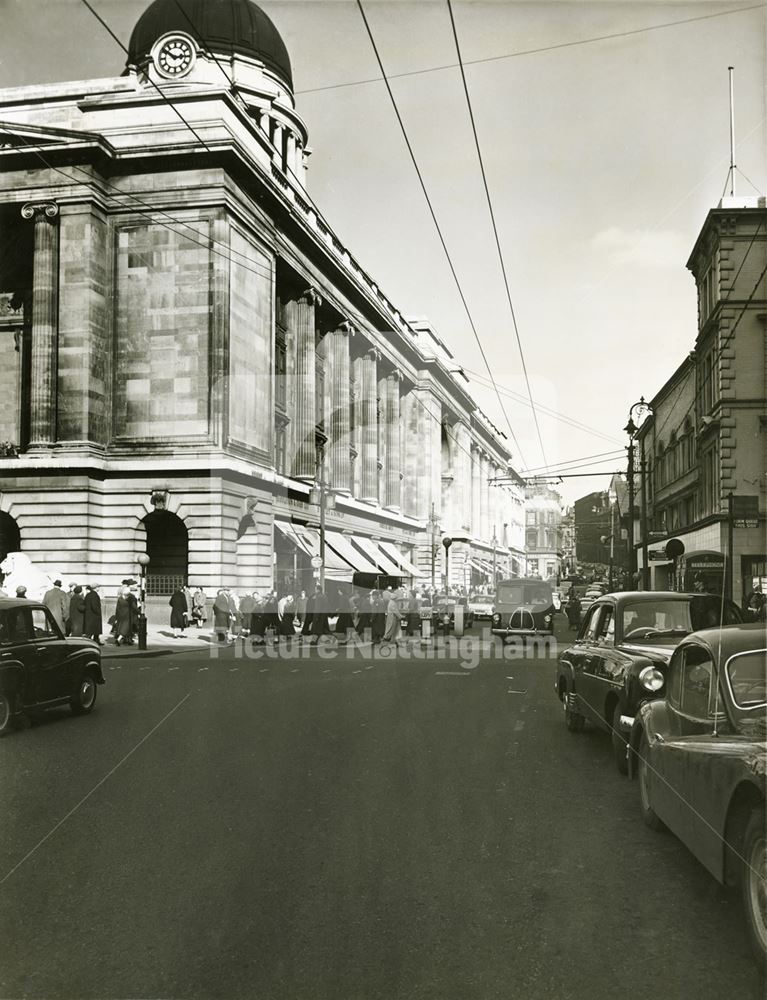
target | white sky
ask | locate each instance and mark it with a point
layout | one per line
(602, 158)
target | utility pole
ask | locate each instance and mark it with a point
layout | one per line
(320, 497)
(632, 552)
(434, 522)
(645, 539)
(495, 574)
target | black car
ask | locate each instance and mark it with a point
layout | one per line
(39, 667)
(619, 659)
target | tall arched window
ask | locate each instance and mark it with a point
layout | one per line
(167, 545)
(10, 536)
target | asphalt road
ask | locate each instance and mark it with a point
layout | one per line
(343, 828)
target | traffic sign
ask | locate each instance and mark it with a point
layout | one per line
(316, 562)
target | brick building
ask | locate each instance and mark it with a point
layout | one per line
(186, 346)
(706, 437)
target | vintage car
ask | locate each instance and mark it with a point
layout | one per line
(481, 605)
(619, 659)
(700, 754)
(441, 612)
(524, 606)
(39, 667)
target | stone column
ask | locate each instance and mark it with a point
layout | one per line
(45, 294)
(290, 155)
(339, 427)
(277, 155)
(300, 318)
(393, 432)
(484, 499)
(462, 472)
(476, 483)
(367, 423)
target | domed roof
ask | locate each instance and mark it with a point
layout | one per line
(222, 26)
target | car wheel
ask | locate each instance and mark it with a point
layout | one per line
(754, 883)
(7, 711)
(649, 815)
(573, 719)
(84, 698)
(619, 742)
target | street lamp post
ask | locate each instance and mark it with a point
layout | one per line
(447, 541)
(434, 522)
(631, 429)
(143, 561)
(320, 497)
(495, 574)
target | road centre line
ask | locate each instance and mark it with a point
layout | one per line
(95, 788)
(451, 673)
(512, 691)
(519, 725)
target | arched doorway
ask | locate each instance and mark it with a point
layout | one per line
(167, 545)
(10, 536)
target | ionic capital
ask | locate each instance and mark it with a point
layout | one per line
(311, 296)
(35, 210)
(373, 354)
(345, 326)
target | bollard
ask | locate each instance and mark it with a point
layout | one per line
(458, 619)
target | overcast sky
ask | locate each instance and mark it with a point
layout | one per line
(603, 159)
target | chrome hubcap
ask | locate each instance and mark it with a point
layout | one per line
(87, 693)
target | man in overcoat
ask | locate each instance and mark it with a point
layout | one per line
(93, 625)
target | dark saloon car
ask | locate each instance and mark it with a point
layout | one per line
(39, 668)
(441, 612)
(700, 754)
(619, 659)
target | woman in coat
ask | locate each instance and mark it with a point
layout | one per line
(221, 616)
(285, 615)
(178, 612)
(124, 617)
(573, 611)
(77, 611)
(378, 615)
(93, 625)
(199, 613)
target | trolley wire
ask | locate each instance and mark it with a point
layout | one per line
(434, 218)
(495, 227)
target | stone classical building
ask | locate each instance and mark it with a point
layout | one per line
(706, 437)
(187, 348)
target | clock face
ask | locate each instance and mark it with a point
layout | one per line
(175, 57)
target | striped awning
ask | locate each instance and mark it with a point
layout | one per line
(391, 550)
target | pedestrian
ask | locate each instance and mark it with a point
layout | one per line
(247, 608)
(21, 593)
(68, 604)
(285, 615)
(271, 619)
(55, 601)
(178, 612)
(345, 622)
(234, 613)
(199, 612)
(393, 618)
(573, 611)
(124, 617)
(188, 614)
(378, 615)
(76, 611)
(365, 618)
(93, 625)
(258, 619)
(221, 616)
(319, 615)
(754, 605)
(301, 607)
(413, 614)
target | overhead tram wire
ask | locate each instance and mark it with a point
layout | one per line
(572, 461)
(200, 38)
(536, 51)
(436, 223)
(562, 417)
(495, 227)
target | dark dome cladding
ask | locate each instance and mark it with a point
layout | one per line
(222, 26)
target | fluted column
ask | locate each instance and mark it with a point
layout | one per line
(484, 499)
(475, 492)
(45, 285)
(339, 430)
(367, 423)
(290, 153)
(393, 492)
(300, 317)
(277, 156)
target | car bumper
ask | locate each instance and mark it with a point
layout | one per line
(521, 631)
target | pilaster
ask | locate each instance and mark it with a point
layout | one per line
(45, 290)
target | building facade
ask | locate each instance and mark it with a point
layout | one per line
(543, 543)
(191, 359)
(705, 440)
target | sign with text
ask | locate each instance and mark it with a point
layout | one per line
(745, 511)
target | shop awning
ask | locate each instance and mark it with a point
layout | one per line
(346, 550)
(385, 563)
(290, 532)
(391, 550)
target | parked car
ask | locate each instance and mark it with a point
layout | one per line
(39, 667)
(442, 612)
(481, 605)
(701, 759)
(619, 659)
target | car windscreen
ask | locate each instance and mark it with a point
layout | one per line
(747, 676)
(645, 620)
(524, 594)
